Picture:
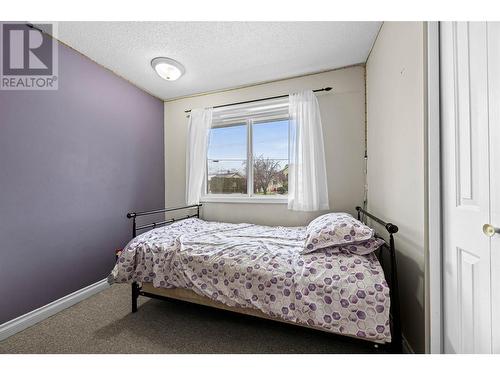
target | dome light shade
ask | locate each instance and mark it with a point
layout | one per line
(168, 69)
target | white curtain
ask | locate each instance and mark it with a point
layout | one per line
(307, 185)
(200, 122)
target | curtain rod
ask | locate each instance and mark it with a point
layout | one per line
(260, 100)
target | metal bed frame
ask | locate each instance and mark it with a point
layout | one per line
(395, 318)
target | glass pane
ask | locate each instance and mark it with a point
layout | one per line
(228, 143)
(227, 160)
(227, 176)
(270, 158)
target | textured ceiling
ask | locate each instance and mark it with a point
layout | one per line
(219, 55)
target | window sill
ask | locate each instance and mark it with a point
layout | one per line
(244, 199)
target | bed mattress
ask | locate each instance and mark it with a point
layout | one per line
(260, 267)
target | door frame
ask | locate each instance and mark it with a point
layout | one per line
(433, 255)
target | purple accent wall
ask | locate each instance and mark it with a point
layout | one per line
(73, 162)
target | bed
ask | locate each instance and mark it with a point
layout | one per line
(258, 270)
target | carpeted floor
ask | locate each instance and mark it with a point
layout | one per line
(104, 324)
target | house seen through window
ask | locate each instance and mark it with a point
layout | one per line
(249, 157)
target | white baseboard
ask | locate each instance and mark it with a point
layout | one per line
(407, 349)
(27, 320)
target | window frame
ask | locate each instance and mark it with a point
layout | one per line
(249, 197)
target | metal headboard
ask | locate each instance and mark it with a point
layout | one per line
(134, 215)
(394, 285)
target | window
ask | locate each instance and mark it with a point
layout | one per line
(248, 155)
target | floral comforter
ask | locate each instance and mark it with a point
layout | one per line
(260, 267)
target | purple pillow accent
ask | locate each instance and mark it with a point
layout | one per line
(335, 229)
(364, 248)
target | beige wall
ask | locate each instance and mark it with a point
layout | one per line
(396, 185)
(343, 117)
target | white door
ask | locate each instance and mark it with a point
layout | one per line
(470, 101)
(494, 117)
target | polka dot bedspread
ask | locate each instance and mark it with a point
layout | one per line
(260, 267)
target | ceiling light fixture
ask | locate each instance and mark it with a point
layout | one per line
(168, 69)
